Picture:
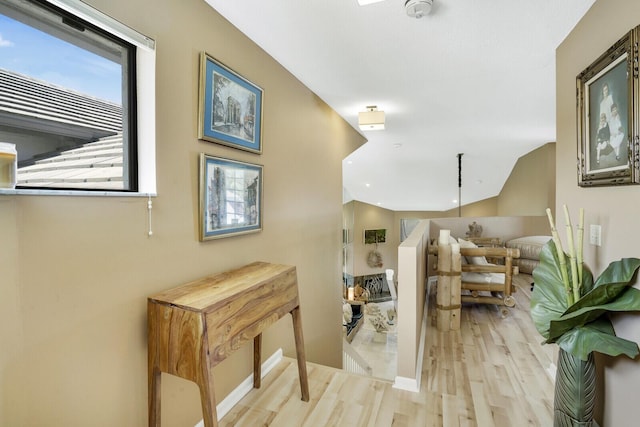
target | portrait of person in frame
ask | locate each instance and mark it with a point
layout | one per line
(607, 118)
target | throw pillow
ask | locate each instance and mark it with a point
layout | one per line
(477, 260)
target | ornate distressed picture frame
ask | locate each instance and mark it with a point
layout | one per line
(607, 103)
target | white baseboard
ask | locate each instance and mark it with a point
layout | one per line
(245, 387)
(413, 384)
(407, 384)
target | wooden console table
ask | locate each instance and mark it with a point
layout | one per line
(195, 326)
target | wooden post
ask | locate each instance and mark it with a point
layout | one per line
(456, 285)
(443, 293)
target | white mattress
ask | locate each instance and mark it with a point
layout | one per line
(494, 278)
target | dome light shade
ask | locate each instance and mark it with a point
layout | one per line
(372, 119)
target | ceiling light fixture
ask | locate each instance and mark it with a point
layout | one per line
(418, 8)
(365, 2)
(372, 119)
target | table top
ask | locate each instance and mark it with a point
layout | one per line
(213, 290)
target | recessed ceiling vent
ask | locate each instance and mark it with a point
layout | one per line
(418, 8)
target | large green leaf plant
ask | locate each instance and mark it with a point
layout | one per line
(571, 309)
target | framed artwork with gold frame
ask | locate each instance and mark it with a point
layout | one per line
(607, 93)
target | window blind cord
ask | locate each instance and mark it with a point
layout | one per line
(149, 208)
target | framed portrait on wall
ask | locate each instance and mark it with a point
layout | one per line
(607, 123)
(230, 107)
(230, 197)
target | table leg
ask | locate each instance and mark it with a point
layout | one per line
(154, 397)
(300, 354)
(153, 369)
(207, 397)
(257, 364)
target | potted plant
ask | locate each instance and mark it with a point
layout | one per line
(570, 308)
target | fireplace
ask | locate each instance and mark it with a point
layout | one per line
(377, 286)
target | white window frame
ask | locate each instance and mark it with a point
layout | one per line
(146, 101)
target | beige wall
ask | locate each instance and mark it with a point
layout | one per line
(369, 217)
(616, 209)
(486, 207)
(76, 271)
(398, 215)
(531, 186)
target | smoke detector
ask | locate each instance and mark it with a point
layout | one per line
(418, 8)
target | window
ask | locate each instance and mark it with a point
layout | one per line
(73, 83)
(241, 194)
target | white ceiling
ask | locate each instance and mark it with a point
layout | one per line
(475, 77)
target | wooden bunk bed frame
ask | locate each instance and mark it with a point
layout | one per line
(500, 293)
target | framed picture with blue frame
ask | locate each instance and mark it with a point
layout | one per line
(230, 107)
(230, 197)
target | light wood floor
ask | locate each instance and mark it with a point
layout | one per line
(493, 372)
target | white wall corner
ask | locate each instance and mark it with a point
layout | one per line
(413, 384)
